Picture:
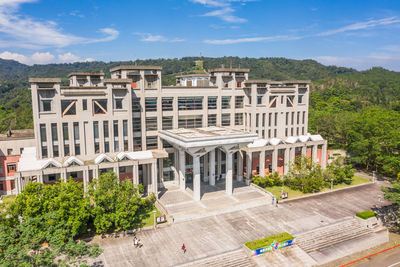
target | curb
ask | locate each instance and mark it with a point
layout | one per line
(326, 192)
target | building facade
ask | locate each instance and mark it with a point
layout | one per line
(141, 130)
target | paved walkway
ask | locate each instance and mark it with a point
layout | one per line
(213, 235)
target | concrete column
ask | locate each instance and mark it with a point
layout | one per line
(262, 163)
(314, 153)
(205, 168)
(228, 177)
(135, 173)
(324, 154)
(275, 160)
(116, 170)
(292, 154)
(286, 167)
(160, 170)
(248, 166)
(304, 151)
(182, 170)
(219, 165)
(240, 166)
(196, 178)
(176, 165)
(154, 182)
(211, 168)
(40, 177)
(85, 180)
(96, 172)
(18, 179)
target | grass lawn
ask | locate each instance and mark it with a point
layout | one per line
(276, 190)
(149, 221)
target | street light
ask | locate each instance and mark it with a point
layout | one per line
(154, 212)
(331, 184)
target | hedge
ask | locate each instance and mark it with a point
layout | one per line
(260, 243)
(365, 214)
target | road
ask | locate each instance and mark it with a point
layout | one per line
(390, 258)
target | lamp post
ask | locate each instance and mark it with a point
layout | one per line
(373, 176)
(331, 184)
(154, 212)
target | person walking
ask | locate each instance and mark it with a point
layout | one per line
(135, 242)
(183, 248)
(273, 200)
(276, 203)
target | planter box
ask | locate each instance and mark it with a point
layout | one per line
(369, 223)
(272, 247)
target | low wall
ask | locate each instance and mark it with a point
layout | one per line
(272, 247)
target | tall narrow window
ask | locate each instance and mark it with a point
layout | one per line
(43, 140)
(226, 102)
(125, 134)
(106, 133)
(96, 137)
(66, 139)
(76, 139)
(54, 139)
(212, 120)
(116, 139)
(84, 104)
(276, 120)
(239, 101)
(167, 103)
(136, 104)
(212, 102)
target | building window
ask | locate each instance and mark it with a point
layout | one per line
(151, 142)
(298, 117)
(239, 84)
(118, 103)
(11, 168)
(212, 120)
(239, 119)
(68, 107)
(84, 104)
(151, 123)
(226, 119)
(167, 123)
(239, 101)
(276, 119)
(272, 101)
(167, 103)
(269, 119)
(300, 99)
(289, 101)
(259, 99)
(190, 103)
(226, 102)
(96, 137)
(125, 134)
(304, 117)
(106, 133)
(54, 139)
(100, 106)
(137, 124)
(191, 121)
(65, 138)
(12, 182)
(116, 139)
(292, 118)
(9, 151)
(166, 144)
(137, 144)
(46, 105)
(287, 118)
(151, 103)
(1, 170)
(1, 186)
(212, 102)
(76, 139)
(136, 105)
(43, 140)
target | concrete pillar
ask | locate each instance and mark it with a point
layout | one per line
(324, 154)
(135, 173)
(286, 167)
(18, 179)
(228, 177)
(154, 182)
(314, 153)
(85, 179)
(304, 150)
(160, 170)
(275, 160)
(292, 156)
(205, 167)
(196, 178)
(116, 169)
(249, 156)
(240, 166)
(262, 163)
(63, 174)
(40, 177)
(219, 165)
(211, 168)
(182, 170)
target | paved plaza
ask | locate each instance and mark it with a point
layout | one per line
(212, 235)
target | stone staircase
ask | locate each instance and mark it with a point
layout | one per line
(237, 258)
(329, 235)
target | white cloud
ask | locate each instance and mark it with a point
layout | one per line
(43, 58)
(148, 37)
(253, 40)
(362, 26)
(24, 31)
(390, 61)
(225, 9)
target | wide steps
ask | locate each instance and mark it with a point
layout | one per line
(237, 258)
(331, 235)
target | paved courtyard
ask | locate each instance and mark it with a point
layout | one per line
(212, 235)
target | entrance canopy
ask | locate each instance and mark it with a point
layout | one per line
(201, 140)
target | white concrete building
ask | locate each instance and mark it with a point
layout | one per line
(217, 125)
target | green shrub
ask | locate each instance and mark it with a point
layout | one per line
(365, 214)
(260, 243)
(269, 180)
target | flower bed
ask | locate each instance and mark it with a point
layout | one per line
(270, 243)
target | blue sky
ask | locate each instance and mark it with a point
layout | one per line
(358, 33)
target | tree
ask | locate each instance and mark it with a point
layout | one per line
(342, 172)
(116, 205)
